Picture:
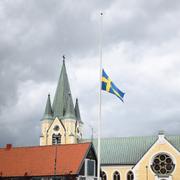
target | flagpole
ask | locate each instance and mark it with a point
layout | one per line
(100, 76)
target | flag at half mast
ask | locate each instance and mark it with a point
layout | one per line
(109, 86)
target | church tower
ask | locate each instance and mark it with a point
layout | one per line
(61, 122)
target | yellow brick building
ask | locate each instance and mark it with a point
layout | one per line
(123, 158)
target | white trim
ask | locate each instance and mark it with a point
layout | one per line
(178, 152)
(163, 178)
(161, 139)
(85, 170)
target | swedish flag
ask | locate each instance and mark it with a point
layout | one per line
(109, 86)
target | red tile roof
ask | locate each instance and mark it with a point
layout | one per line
(40, 160)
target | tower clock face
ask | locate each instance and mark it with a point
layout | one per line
(56, 128)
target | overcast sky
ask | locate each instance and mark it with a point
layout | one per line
(141, 54)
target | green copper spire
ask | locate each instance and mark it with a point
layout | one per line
(69, 112)
(61, 99)
(77, 112)
(48, 110)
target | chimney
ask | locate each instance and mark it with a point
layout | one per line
(8, 146)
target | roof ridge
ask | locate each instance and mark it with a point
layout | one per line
(137, 137)
(126, 137)
(18, 147)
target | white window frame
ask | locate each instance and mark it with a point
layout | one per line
(86, 167)
(163, 178)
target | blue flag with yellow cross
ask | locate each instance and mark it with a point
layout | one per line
(109, 86)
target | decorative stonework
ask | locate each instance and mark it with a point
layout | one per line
(162, 164)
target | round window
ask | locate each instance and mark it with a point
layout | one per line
(162, 164)
(56, 128)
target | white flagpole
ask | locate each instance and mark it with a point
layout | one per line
(99, 118)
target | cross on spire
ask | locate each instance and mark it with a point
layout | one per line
(63, 58)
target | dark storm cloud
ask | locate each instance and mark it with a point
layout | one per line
(34, 35)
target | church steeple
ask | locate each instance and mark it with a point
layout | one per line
(48, 113)
(62, 100)
(62, 122)
(69, 112)
(77, 112)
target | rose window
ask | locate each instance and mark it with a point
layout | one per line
(163, 164)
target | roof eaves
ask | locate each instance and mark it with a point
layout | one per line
(82, 161)
(118, 164)
(145, 152)
(173, 145)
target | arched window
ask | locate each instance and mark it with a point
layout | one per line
(104, 177)
(130, 175)
(56, 139)
(116, 175)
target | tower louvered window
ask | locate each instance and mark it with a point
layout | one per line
(116, 175)
(130, 175)
(56, 139)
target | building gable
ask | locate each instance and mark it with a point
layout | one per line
(56, 122)
(129, 150)
(90, 156)
(56, 127)
(161, 146)
(124, 150)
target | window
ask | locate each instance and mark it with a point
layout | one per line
(104, 176)
(82, 178)
(90, 167)
(162, 164)
(130, 175)
(116, 175)
(56, 139)
(56, 128)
